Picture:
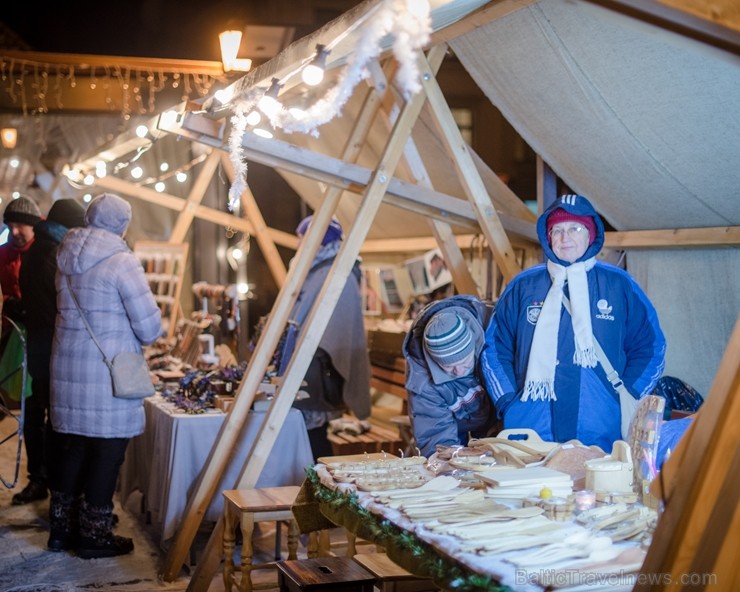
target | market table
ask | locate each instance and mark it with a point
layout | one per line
(437, 555)
(165, 461)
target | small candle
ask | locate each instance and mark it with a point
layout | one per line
(585, 500)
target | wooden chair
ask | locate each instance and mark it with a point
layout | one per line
(245, 507)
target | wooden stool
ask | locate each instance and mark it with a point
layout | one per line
(246, 507)
(391, 577)
(330, 574)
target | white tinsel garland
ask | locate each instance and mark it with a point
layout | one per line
(410, 30)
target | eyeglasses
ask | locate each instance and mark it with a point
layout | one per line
(572, 231)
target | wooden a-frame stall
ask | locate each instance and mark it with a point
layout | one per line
(382, 105)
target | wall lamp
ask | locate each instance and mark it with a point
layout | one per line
(9, 136)
(230, 42)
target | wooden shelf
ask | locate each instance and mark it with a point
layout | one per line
(164, 267)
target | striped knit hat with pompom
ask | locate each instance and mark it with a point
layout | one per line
(447, 338)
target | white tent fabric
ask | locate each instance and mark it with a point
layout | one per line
(644, 122)
(696, 293)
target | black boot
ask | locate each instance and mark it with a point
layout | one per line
(96, 538)
(63, 520)
(34, 491)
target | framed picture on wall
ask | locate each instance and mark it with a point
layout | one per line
(428, 272)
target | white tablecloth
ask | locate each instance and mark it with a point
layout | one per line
(165, 461)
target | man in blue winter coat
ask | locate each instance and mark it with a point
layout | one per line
(446, 397)
(539, 363)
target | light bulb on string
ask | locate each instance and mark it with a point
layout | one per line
(164, 167)
(254, 118)
(262, 133)
(269, 104)
(313, 73)
(159, 186)
(137, 172)
(181, 177)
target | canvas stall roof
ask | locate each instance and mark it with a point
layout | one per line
(644, 121)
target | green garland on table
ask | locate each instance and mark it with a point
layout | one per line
(399, 544)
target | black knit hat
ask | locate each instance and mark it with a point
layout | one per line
(22, 210)
(67, 212)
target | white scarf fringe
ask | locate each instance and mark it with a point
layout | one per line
(540, 380)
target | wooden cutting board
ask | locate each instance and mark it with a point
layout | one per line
(526, 476)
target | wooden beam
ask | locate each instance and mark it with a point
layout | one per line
(700, 492)
(261, 357)
(323, 308)
(84, 63)
(202, 212)
(479, 18)
(451, 253)
(198, 190)
(350, 177)
(488, 219)
(547, 185)
(678, 20)
(718, 236)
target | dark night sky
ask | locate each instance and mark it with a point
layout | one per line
(148, 28)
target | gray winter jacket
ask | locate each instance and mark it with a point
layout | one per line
(113, 292)
(445, 409)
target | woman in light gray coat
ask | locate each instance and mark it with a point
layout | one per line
(91, 426)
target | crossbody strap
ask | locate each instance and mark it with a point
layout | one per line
(84, 320)
(611, 374)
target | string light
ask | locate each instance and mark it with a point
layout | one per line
(138, 87)
(313, 74)
(269, 104)
(408, 22)
(262, 133)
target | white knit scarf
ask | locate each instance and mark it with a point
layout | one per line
(540, 379)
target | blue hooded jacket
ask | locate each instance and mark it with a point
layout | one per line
(623, 320)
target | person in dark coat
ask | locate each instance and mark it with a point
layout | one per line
(37, 273)
(338, 378)
(447, 400)
(91, 427)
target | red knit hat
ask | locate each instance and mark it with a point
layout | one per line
(560, 215)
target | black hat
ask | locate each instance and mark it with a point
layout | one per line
(22, 210)
(67, 212)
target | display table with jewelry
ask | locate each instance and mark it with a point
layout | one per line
(473, 520)
(165, 461)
